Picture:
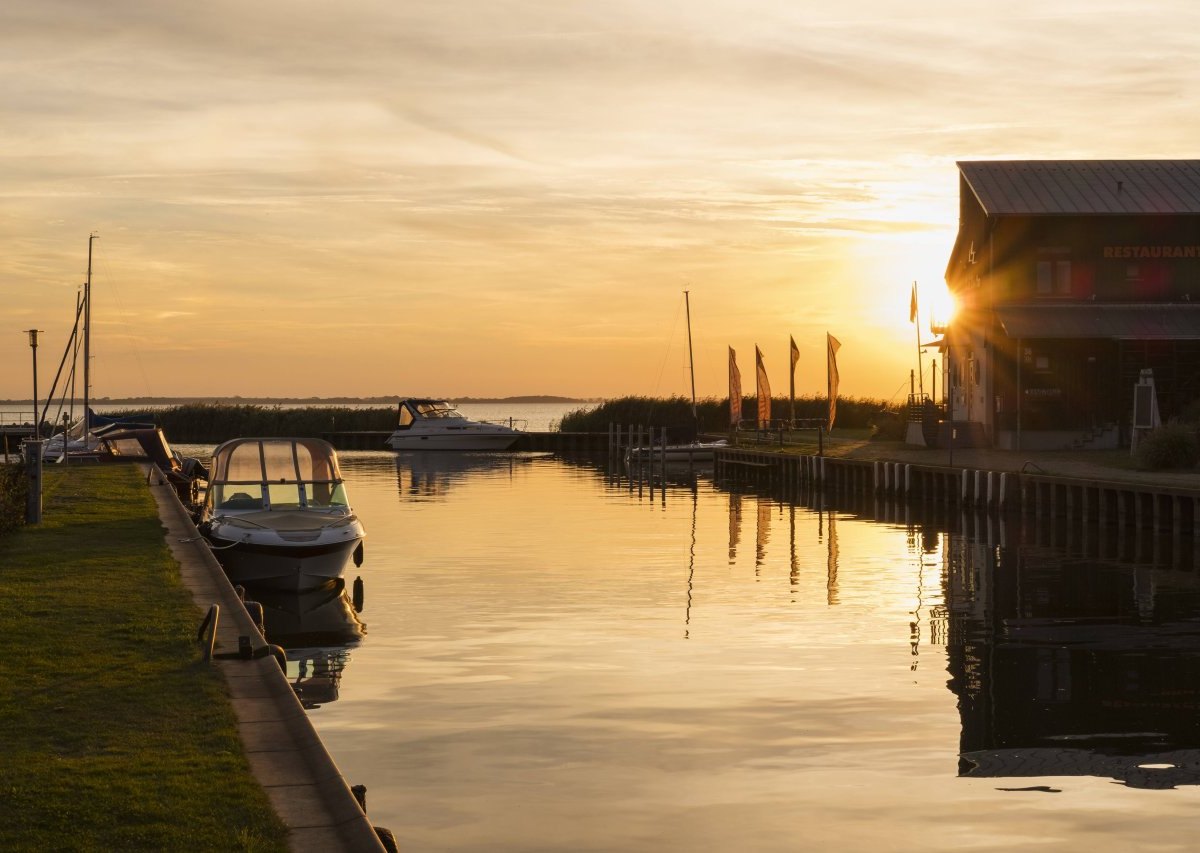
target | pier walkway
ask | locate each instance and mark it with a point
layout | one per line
(305, 787)
(1097, 486)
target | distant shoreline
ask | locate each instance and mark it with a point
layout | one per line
(251, 401)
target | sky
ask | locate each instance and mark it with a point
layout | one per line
(470, 198)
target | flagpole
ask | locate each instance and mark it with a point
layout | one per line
(792, 384)
(917, 321)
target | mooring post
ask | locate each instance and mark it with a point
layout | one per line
(33, 472)
(209, 629)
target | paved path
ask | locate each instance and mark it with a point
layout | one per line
(287, 757)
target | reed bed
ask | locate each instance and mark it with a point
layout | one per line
(675, 413)
(212, 423)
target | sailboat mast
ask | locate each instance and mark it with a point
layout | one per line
(87, 343)
(691, 362)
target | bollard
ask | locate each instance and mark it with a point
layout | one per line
(255, 610)
(208, 631)
(33, 473)
(875, 470)
(908, 479)
(964, 495)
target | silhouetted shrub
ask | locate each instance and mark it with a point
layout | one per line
(889, 426)
(1190, 414)
(13, 489)
(1172, 445)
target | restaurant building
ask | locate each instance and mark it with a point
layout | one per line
(1072, 277)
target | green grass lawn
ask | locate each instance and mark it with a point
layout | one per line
(116, 735)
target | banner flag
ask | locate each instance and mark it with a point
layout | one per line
(832, 345)
(735, 524)
(735, 390)
(831, 564)
(912, 305)
(762, 531)
(764, 390)
(795, 353)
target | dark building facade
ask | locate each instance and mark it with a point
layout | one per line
(1071, 278)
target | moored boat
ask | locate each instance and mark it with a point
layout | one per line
(276, 513)
(691, 451)
(427, 424)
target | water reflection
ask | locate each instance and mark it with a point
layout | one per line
(1073, 649)
(317, 629)
(1066, 665)
(693, 664)
(433, 474)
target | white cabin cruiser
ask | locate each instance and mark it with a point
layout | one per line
(276, 513)
(437, 425)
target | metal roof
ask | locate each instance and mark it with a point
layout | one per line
(1176, 321)
(1066, 187)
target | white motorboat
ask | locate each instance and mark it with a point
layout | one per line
(276, 514)
(436, 425)
(691, 451)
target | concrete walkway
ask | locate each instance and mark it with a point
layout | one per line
(305, 787)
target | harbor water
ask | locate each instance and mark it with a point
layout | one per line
(550, 656)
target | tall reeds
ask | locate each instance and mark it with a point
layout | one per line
(675, 413)
(204, 423)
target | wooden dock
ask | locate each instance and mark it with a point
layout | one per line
(1148, 506)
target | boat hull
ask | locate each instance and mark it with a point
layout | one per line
(286, 567)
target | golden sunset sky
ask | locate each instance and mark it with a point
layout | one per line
(498, 198)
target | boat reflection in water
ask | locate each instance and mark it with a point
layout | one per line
(433, 475)
(317, 628)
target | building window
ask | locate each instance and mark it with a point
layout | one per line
(1053, 272)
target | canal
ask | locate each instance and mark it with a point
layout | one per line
(550, 657)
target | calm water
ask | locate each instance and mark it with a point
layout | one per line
(554, 659)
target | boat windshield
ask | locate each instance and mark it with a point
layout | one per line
(437, 410)
(282, 473)
(413, 410)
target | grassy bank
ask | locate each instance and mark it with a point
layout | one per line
(117, 736)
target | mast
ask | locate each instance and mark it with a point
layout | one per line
(87, 343)
(691, 362)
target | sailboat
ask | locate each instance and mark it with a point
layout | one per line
(691, 451)
(77, 438)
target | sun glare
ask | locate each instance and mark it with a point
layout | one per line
(939, 304)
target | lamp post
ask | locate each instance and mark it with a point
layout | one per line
(33, 342)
